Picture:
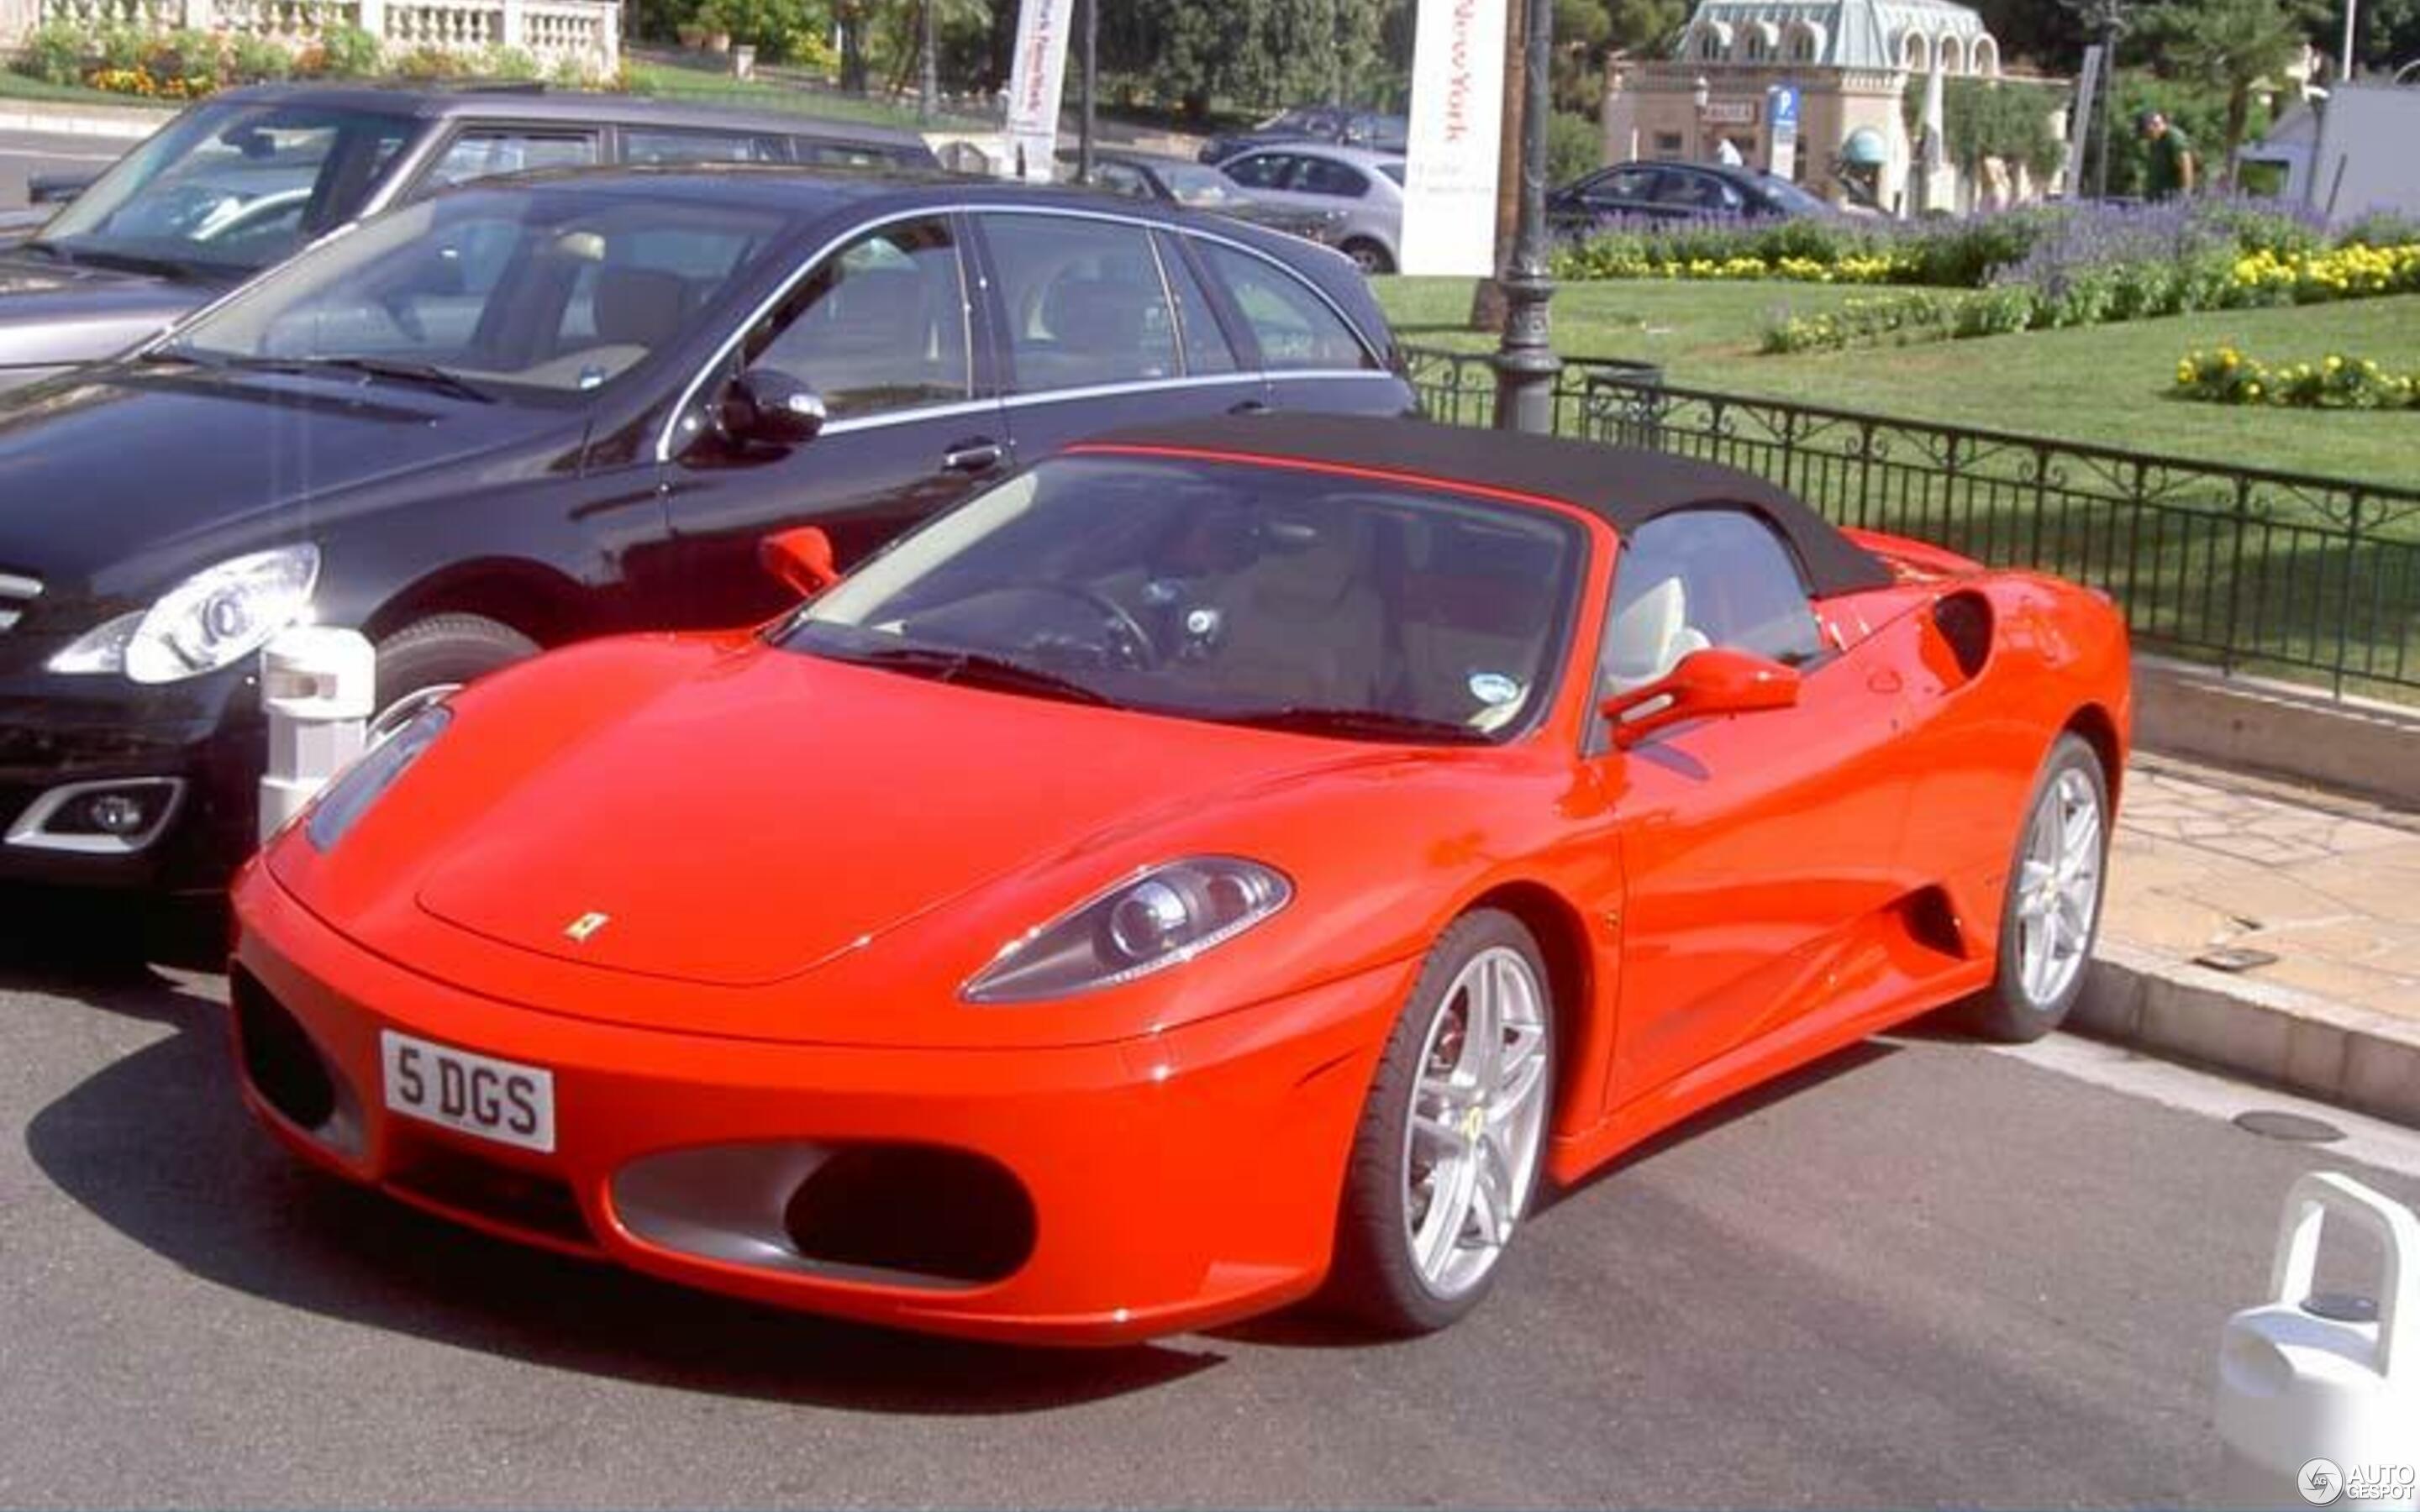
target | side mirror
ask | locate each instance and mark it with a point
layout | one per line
(56, 188)
(771, 408)
(801, 559)
(1718, 680)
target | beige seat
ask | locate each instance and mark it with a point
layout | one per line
(1649, 637)
(1303, 624)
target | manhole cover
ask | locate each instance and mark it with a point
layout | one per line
(2293, 1127)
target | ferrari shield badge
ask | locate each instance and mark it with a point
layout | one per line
(580, 929)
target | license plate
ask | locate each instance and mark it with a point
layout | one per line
(499, 1100)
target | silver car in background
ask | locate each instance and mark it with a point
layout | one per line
(1362, 191)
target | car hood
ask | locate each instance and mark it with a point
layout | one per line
(53, 314)
(779, 811)
(219, 462)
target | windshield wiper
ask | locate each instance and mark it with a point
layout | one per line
(975, 669)
(48, 249)
(401, 370)
(1372, 724)
(121, 262)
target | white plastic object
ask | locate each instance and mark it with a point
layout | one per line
(2295, 1385)
(317, 685)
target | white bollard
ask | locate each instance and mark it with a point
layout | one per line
(317, 685)
(2305, 1380)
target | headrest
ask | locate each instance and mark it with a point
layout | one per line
(640, 306)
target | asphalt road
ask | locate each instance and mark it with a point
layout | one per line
(22, 155)
(1923, 1272)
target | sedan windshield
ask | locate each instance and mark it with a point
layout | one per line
(513, 291)
(226, 190)
(1239, 592)
(1203, 188)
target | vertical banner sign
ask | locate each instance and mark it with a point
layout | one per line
(1034, 81)
(1782, 110)
(1457, 120)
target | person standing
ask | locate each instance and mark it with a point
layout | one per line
(2170, 170)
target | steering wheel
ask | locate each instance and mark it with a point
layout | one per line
(1128, 646)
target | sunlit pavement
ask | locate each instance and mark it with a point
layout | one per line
(1924, 1272)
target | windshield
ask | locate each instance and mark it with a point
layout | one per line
(1227, 591)
(1394, 172)
(1792, 198)
(514, 291)
(1310, 120)
(226, 190)
(1199, 186)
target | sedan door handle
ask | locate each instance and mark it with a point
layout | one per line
(1248, 406)
(971, 456)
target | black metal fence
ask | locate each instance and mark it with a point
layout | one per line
(2259, 571)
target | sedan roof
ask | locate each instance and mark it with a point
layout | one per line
(1625, 486)
(572, 106)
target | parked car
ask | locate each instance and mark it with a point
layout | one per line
(1336, 124)
(247, 178)
(525, 413)
(1448, 809)
(1678, 191)
(1365, 189)
(1198, 186)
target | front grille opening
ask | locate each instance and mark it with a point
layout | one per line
(917, 1209)
(542, 1206)
(279, 1059)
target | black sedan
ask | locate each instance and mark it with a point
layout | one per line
(249, 176)
(1197, 186)
(544, 407)
(1677, 191)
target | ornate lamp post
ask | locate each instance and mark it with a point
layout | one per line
(1525, 364)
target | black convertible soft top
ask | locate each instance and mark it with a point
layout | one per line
(1623, 486)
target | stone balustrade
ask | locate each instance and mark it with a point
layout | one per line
(552, 31)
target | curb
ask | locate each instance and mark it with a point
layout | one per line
(2354, 1058)
(66, 119)
(2349, 745)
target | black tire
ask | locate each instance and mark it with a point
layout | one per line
(1376, 1279)
(2007, 1011)
(1369, 256)
(443, 651)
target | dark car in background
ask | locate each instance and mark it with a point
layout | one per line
(540, 408)
(1336, 125)
(1197, 186)
(1677, 191)
(249, 176)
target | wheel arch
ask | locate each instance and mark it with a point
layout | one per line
(1562, 935)
(2098, 730)
(536, 601)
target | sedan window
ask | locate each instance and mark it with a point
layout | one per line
(1262, 170)
(1084, 300)
(1621, 186)
(483, 153)
(1323, 176)
(880, 325)
(1294, 327)
(653, 143)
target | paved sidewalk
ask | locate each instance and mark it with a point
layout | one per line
(2209, 862)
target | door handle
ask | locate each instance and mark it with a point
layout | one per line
(1248, 406)
(976, 456)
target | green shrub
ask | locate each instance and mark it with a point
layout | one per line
(508, 62)
(255, 59)
(1574, 146)
(427, 62)
(347, 52)
(54, 53)
(188, 56)
(122, 47)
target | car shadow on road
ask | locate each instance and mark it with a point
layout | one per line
(157, 1146)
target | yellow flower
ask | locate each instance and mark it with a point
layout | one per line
(2252, 391)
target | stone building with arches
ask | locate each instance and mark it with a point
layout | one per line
(1850, 62)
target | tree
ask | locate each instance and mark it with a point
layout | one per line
(1645, 28)
(2235, 44)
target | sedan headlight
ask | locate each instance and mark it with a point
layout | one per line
(1165, 915)
(342, 803)
(211, 619)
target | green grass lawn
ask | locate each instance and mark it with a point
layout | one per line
(693, 79)
(2106, 384)
(15, 86)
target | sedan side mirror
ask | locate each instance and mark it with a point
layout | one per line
(769, 408)
(801, 559)
(1718, 680)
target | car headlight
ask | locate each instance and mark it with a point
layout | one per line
(1163, 916)
(350, 796)
(211, 619)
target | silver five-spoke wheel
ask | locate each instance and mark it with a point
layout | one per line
(1470, 1147)
(2058, 887)
(1453, 1131)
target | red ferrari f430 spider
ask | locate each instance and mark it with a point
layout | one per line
(1217, 863)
